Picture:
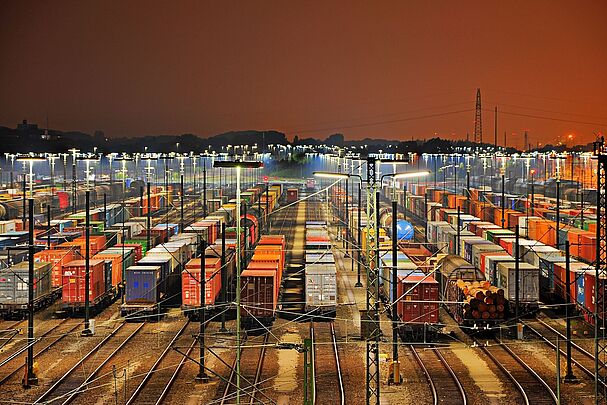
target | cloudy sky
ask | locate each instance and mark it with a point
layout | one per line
(390, 69)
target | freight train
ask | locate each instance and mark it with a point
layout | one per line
(487, 240)
(61, 200)
(260, 283)
(320, 273)
(122, 261)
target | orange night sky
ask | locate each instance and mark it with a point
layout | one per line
(387, 69)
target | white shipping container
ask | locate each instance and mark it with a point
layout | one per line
(529, 281)
(321, 287)
(535, 254)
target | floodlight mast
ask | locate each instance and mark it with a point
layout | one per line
(238, 165)
(373, 274)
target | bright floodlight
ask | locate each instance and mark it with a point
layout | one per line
(409, 175)
(238, 163)
(330, 175)
(28, 158)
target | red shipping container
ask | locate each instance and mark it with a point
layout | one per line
(258, 292)
(64, 199)
(190, 282)
(58, 258)
(74, 274)
(138, 249)
(291, 195)
(508, 244)
(420, 305)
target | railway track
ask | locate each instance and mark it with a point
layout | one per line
(8, 332)
(251, 367)
(584, 361)
(327, 366)
(68, 386)
(444, 384)
(14, 358)
(532, 388)
(159, 379)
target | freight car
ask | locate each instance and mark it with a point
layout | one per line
(470, 299)
(417, 306)
(292, 195)
(162, 276)
(191, 285)
(14, 296)
(101, 290)
(320, 272)
(260, 282)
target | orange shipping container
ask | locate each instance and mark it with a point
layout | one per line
(116, 260)
(190, 282)
(58, 258)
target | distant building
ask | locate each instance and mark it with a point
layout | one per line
(32, 131)
(27, 128)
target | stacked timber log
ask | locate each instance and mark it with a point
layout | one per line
(482, 300)
(471, 302)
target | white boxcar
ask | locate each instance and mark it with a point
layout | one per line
(529, 281)
(321, 288)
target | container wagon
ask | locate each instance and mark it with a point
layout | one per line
(14, 296)
(292, 195)
(470, 299)
(417, 306)
(321, 290)
(260, 282)
(145, 291)
(101, 290)
(190, 285)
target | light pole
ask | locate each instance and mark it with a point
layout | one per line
(373, 271)
(238, 165)
(74, 152)
(394, 281)
(124, 159)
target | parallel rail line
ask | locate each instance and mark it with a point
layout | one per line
(67, 389)
(443, 381)
(533, 389)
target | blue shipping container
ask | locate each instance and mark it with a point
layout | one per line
(581, 291)
(142, 284)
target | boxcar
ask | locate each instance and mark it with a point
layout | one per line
(190, 285)
(101, 291)
(14, 292)
(321, 289)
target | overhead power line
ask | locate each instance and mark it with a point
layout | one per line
(552, 118)
(385, 122)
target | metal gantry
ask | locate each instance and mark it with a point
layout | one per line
(600, 296)
(373, 274)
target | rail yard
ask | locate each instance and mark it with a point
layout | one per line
(464, 278)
